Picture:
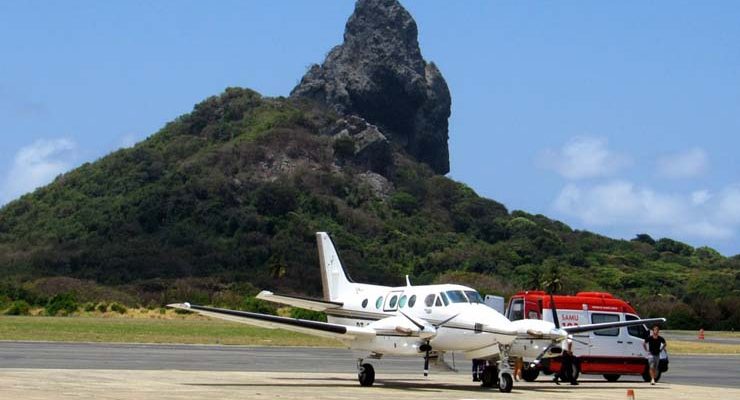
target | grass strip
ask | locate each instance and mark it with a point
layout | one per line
(133, 330)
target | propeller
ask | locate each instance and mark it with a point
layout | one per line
(424, 327)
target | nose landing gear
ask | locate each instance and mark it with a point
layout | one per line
(500, 374)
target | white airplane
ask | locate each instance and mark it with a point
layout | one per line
(422, 321)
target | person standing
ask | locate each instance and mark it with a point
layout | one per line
(654, 344)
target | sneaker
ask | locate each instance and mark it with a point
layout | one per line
(556, 381)
(652, 381)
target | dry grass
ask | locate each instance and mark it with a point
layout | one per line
(685, 347)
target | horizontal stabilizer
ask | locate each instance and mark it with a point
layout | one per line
(315, 328)
(300, 302)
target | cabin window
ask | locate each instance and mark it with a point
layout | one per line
(456, 296)
(379, 302)
(364, 303)
(473, 296)
(516, 310)
(412, 301)
(429, 300)
(639, 331)
(402, 302)
(597, 318)
(444, 298)
(392, 303)
(438, 302)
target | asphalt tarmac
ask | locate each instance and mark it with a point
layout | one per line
(716, 371)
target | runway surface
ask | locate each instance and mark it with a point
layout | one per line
(718, 371)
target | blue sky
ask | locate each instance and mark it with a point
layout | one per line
(616, 117)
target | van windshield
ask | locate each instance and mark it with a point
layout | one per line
(456, 296)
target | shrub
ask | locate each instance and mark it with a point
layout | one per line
(256, 305)
(404, 202)
(102, 307)
(18, 307)
(119, 308)
(64, 304)
(344, 147)
(300, 313)
(89, 307)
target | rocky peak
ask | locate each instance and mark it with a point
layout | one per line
(379, 74)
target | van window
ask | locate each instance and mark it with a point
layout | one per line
(516, 311)
(602, 318)
(639, 331)
(429, 300)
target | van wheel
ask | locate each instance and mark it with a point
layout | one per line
(489, 378)
(646, 375)
(612, 377)
(530, 374)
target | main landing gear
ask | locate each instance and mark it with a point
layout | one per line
(365, 373)
(500, 374)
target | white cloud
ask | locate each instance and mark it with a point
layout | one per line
(687, 164)
(623, 205)
(584, 157)
(699, 197)
(36, 165)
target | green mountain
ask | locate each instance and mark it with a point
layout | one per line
(227, 198)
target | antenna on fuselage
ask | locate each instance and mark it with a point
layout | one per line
(408, 282)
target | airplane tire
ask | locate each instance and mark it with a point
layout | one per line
(366, 376)
(530, 374)
(505, 383)
(612, 377)
(489, 376)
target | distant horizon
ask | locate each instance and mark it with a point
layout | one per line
(618, 119)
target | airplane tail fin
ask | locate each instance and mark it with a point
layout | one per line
(336, 282)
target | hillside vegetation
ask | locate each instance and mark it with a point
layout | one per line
(227, 199)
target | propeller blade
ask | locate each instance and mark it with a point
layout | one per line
(413, 321)
(439, 325)
(426, 364)
(555, 319)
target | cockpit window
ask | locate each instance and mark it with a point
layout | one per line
(438, 303)
(456, 296)
(444, 298)
(473, 296)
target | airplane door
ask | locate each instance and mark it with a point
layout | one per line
(391, 301)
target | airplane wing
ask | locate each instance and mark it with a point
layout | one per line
(300, 302)
(607, 325)
(316, 328)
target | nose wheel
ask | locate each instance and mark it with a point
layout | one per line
(365, 373)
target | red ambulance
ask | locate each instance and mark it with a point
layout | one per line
(608, 352)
